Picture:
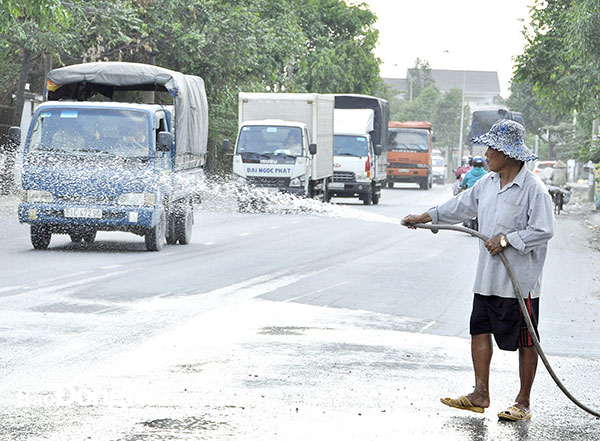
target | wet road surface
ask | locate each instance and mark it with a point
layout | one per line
(275, 326)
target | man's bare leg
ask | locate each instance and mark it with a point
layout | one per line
(528, 359)
(481, 352)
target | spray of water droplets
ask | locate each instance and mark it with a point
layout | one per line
(223, 194)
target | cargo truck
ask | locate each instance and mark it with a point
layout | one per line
(409, 153)
(93, 166)
(284, 144)
(360, 161)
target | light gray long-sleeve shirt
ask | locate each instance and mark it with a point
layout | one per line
(522, 210)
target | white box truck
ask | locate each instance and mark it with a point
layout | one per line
(360, 160)
(284, 143)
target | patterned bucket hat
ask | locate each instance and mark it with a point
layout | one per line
(508, 137)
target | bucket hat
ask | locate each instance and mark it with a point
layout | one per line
(508, 137)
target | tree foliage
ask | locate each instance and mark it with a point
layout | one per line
(427, 103)
(234, 45)
(560, 70)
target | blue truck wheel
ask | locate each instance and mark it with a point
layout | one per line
(40, 237)
(155, 237)
(183, 225)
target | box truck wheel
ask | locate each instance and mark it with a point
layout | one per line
(155, 237)
(326, 193)
(184, 220)
(390, 184)
(367, 198)
(40, 237)
(376, 194)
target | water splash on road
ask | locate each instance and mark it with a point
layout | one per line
(222, 194)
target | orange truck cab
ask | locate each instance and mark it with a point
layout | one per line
(409, 153)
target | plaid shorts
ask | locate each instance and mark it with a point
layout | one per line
(502, 317)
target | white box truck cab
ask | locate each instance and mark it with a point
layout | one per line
(284, 144)
(359, 162)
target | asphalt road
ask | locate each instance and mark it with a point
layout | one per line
(304, 322)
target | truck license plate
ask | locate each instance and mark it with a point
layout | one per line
(80, 212)
(336, 185)
(403, 170)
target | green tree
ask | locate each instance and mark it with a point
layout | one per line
(561, 60)
(340, 40)
(419, 78)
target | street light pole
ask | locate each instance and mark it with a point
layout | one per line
(462, 117)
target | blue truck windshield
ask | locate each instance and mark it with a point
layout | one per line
(345, 145)
(414, 140)
(116, 132)
(270, 140)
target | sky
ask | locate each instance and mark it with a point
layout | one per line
(450, 34)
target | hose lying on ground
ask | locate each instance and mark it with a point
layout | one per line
(435, 228)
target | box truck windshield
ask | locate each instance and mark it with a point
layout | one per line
(124, 133)
(413, 140)
(344, 145)
(270, 140)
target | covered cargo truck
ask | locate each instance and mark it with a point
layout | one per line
(92, 165)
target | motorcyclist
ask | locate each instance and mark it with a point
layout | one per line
(464, 167)
(460, 173)
(473, 175)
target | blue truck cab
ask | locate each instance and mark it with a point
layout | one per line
(93, 166)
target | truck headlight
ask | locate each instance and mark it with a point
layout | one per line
(422, 165)
(38, 196)
(296, 182)
(137, 199)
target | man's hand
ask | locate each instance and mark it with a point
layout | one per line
(494, 246)
(412, 219)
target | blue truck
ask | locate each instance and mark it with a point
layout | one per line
(93, 163)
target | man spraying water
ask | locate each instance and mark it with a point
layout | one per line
(515, 212)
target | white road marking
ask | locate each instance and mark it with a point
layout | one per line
(110, 267)
(244, 234)
(209, 243)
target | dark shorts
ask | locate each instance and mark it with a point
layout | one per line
(502, 317)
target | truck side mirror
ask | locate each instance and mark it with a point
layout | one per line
(14, 135)
(312, 149)
(378, 149)
(164, 141)
(225, 146)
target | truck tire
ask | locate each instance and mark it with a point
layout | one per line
(40, 237)
(326, 193)
(376, 195)
(89, 236)
(424, 184)
(367, 198)
(390, 184)
(155, 237)
(184, 220)
(170, 235)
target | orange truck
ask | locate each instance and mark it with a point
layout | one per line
(409, 153)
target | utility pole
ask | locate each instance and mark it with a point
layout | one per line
(462, 117)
